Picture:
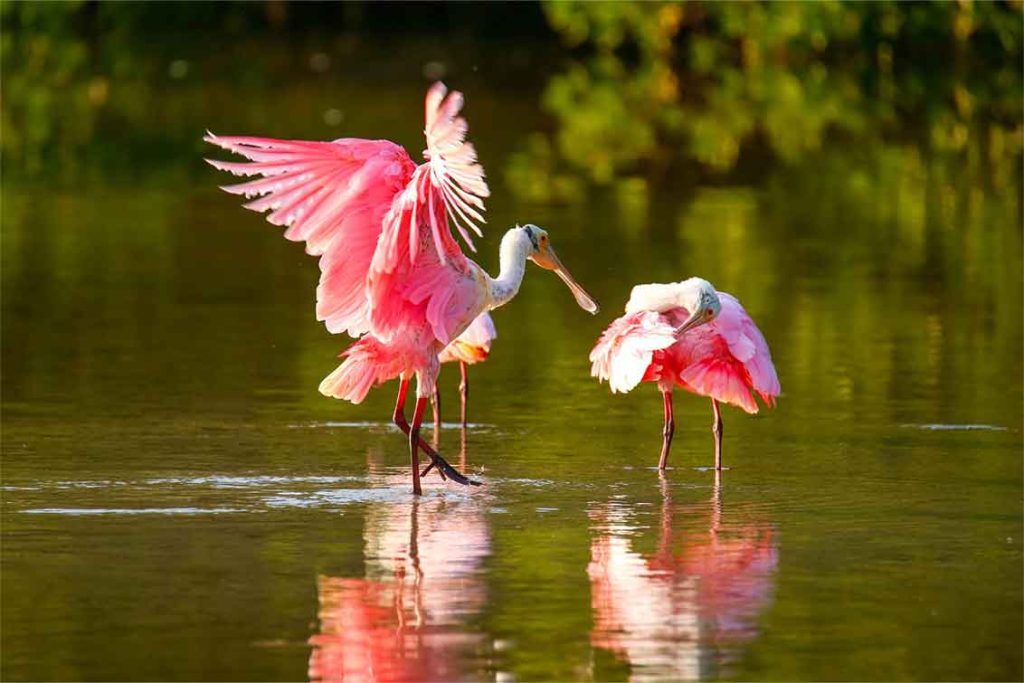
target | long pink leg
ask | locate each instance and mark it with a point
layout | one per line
(464, 392)
(668, 431)
(716, 429)
(444, 469)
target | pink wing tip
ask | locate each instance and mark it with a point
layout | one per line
(435, 96)
(454, 170)
(213, 139)
(436, 92)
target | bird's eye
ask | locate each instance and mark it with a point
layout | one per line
(708, 313)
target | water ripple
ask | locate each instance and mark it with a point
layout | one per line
(236, 482)
(957, 427)
(477, 426)
(131, 511)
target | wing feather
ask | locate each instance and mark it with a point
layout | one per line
(748, 345)
(377, 221)
(430, 283)
(453, 161)
(333, 196)
(625, 350)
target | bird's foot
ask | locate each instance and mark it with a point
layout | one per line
(443, 468)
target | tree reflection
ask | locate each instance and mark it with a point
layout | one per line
(684, 611)
(408, 617)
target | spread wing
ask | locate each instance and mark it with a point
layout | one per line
(409, 283)
(367, 210)
(454, 170)
(333, 196)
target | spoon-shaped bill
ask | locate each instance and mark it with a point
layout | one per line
(586, 302)
(549, 259)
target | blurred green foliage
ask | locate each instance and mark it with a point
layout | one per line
(654, 93)
(656, 86)
(48, 77)
(122, 91)
(94, 89)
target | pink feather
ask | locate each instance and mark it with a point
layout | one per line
(726, 359)
(474, 344)
(389, 263)
(626, 350)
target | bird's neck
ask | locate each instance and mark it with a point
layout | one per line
(515, 247)
(664, 297)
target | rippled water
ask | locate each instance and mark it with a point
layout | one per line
(180, 503)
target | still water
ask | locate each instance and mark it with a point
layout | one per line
(180, 503)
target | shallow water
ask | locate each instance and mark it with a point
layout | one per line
(180, 503)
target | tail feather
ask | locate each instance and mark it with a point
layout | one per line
(367, 363)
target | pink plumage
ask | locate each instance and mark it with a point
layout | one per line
(725, 358)
(388, 262)
(473, 345)
(366, 209)
(391, 271)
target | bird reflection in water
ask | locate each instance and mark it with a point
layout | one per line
(407, 619)
(684, 611)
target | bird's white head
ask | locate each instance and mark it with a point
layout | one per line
(542, 253)
(698, 296)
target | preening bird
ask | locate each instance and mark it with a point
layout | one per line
(687, 334)
(471, 347)
(391, 272)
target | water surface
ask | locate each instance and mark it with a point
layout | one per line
(179, 502)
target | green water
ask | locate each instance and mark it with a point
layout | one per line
(180, 503)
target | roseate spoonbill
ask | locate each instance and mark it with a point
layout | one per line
(472, 346)
(687, 334)
(391, 272)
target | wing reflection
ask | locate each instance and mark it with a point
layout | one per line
(407, 619)
(684, 611)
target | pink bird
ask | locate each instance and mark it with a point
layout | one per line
(687, 334)
(472, 346)
(391, 272)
